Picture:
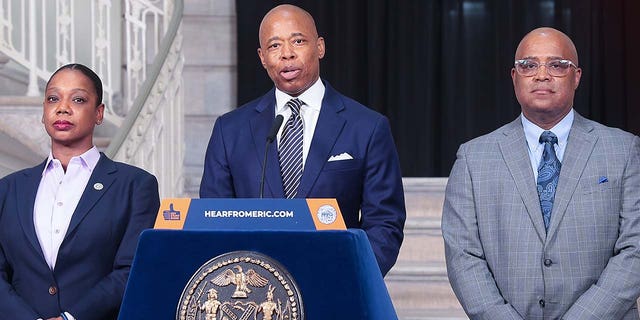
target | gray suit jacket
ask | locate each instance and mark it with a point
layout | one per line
(500, 261)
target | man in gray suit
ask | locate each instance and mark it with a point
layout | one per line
(541, 217)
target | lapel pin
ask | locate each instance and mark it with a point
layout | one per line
(98, 186)
(603, 179)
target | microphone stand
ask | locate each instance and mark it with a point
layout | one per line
(272, 136)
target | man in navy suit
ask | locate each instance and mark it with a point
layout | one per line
(347, 149)
(69, 226)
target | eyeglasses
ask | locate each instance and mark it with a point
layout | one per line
(555, 68)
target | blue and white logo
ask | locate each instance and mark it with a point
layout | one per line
(327, 214)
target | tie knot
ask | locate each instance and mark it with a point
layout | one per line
(548, 136)
(295, 105)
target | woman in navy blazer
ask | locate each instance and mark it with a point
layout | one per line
(69, 226)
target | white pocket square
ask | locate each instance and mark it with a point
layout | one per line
(342, 156)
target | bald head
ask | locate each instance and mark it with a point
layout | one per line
(283, 13)
(546, 99)
(290, 49)
(548, 35)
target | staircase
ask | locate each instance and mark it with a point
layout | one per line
(23, 141)
(418, 283)
(135, 46)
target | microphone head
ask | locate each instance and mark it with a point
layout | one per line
(275, 127)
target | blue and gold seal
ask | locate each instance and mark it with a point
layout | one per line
(241, 285)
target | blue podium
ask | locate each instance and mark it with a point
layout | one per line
(335, 270)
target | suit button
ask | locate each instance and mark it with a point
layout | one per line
(547, 262)
(53, 290)
(541, 302)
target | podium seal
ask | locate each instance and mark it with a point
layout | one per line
(327, 214)
(241, 285)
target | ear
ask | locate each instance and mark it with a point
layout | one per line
(100, 114)
(320, 44)
(513, 76)
(576, 78)
(261, 56)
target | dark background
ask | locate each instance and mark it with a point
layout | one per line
(440, 69)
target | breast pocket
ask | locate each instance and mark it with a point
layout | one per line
(340, 179)
(603, 197)
(598, 188)
(343, 165)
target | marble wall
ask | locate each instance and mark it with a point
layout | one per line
(209, 30)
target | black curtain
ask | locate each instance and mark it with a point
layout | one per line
(440, 69)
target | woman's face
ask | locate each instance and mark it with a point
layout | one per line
(71, 110)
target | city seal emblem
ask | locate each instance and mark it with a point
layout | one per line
(327, 214)
(241, 285)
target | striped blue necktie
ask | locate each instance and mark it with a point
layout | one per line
(290, 150)
(548, 174)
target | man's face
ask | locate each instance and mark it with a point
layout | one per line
(545, 98)
(290, 50)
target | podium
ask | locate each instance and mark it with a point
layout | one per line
(335, 270)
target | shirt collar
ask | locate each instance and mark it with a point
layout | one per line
(89, 159)
(532, 132)
(311, 97)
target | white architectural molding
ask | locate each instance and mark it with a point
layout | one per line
(145, 27)
(155, 140)
(42, 35)
(22, 120)
(150, 124)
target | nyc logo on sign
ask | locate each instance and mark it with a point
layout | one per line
(172, 213)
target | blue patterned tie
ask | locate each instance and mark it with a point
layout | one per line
(290, 150)
(548, 174)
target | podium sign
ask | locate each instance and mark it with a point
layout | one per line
(254, 259)
(249, 214)
(335, 270)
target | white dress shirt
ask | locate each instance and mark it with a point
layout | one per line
(309, 112)
(58, 195)
(532, 132)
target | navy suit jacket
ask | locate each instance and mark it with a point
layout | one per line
(368, 187)
(94, 259)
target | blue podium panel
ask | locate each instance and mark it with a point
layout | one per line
(249, 214)
(336, 271)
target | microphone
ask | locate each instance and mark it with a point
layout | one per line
(274, 128)
(272, 136)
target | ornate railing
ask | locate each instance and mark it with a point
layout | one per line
(41, 35)
(143, 100)
(151, 135)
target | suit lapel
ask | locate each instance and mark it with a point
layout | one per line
(327, 130)
(99, 182)
(260, 123)
(26, 189)
(516, 156)
(580, 145)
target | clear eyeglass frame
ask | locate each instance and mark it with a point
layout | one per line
(555, 68)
